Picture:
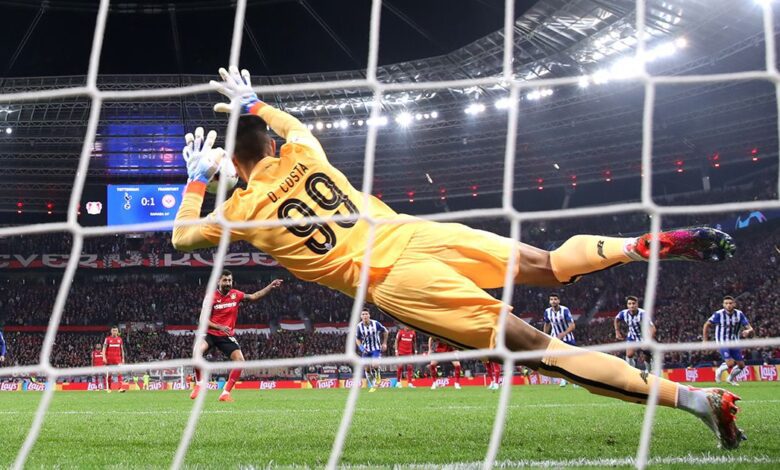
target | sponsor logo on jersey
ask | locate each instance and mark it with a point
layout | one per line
(691, 375)
(225, 305)
(769, 373)
(267, 385)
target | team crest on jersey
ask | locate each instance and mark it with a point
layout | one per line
(232, 296)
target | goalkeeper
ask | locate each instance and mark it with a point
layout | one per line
(425, 274)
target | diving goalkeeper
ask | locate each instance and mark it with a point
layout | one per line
(427, 275)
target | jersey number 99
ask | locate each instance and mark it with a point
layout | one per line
(328, 202)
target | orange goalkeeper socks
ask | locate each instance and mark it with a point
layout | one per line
(585, 254)
(606, 375)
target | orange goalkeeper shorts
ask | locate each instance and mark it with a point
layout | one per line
(436, 285)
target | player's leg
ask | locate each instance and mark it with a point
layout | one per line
(409, 375)
(433, 369)
(631, 357)
(426, 290)
(483, 256)
(728, 362)
(739, 366)
(230, 347)
(607, 375)
(456, 365)
(203, 345)
(399, 371)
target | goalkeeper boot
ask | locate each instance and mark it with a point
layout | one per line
(722, 418)
(195, 392)
(689, 244)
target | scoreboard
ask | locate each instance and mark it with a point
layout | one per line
(142, 203)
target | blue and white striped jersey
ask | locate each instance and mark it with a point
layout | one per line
(371, 335)
(727, 325)
(559, 321)
(633, 322)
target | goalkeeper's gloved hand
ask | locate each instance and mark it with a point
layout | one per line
(362, 349)
(202, 159)
(236, 86)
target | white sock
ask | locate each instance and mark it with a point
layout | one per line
(735, 372)
(723, 368)
(693, 401)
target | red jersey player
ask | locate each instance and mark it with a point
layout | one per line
(113, 355)
(97, 360)
(222, 324)
(439, 346)
(405, 345)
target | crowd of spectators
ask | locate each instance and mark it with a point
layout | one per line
(687, 294)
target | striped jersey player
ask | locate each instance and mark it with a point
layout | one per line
(371, 340)
(558, 321)
(728, 322)
(632, 316)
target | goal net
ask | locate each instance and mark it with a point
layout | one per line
(517, 86)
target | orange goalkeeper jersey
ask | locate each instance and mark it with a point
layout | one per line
(302, 183)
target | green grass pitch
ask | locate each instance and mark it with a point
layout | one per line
(546, 426)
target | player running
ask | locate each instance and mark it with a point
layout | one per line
(436, 345)
(728, 322)
(425, 274)
(632, 317)
(370, 344)
(559, 323)
(405, 345)
(113, 353)
(222, 324)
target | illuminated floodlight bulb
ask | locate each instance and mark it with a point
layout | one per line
(404, 119)
(475, 108)
(502, 103)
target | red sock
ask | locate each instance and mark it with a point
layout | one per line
(457, 374)
(432, 368)
(235, 374)
(497, 372)
(197, 375)
(399, 372)
(120, 380)
(409, 372)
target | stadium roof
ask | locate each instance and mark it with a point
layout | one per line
(592, 133)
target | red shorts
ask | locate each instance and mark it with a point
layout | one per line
(405, 353)
(443, 348)
(113, 361)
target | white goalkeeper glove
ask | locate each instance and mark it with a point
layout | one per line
(236, 86)
(202, 159)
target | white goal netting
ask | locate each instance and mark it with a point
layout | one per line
(507, 211)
